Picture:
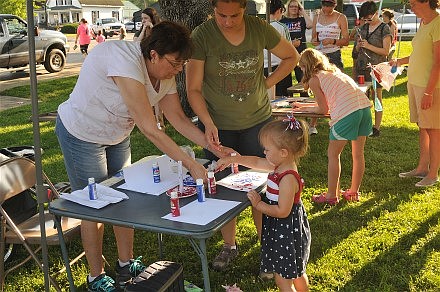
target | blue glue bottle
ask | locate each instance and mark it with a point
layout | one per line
(200, 190)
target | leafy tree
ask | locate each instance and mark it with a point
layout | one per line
(16, 7)
(191, 13)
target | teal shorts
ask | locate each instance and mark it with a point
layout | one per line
(356, 124)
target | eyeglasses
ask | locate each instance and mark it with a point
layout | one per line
(176, 64)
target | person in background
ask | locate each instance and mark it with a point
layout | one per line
(297, 21)
(286, 237)
(350, 120)
(329, 34)
(373, 47)
(93, 127)
(227, 89)
(388, 18)
(149, 19)
(122, 33)
(100, 38)
(424, 90)
(83, 33)
(276, 11)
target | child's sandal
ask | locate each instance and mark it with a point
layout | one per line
(351, 196)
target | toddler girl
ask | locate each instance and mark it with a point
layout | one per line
(350, 119)
(285, 242)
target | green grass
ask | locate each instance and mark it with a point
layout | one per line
(389, 241)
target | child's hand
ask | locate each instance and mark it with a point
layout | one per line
(254, 197)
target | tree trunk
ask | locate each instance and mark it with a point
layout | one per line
(190, 13)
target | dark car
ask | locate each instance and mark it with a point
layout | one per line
(50, 46)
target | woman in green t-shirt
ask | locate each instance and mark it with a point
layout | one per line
(227, 89)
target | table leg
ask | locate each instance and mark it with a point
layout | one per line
(57, 220)
(201, 251)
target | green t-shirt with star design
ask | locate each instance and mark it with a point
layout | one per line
(233, 84)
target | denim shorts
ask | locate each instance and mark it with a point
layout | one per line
(85, 159)
(356, 124)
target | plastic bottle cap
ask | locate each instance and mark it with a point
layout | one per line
(199, 181)
(210, 174)
(91, 180)
(174, 195)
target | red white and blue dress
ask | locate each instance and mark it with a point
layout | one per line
(285, 242)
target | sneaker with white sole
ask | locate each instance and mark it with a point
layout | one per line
(223, 259)
(124, 275)
(313, 131)
(102, 283)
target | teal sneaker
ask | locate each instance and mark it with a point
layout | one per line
(102, 283)
(124, 275)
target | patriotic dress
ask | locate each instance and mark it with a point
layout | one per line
(285, 243)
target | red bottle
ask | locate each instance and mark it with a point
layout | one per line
(175, 207)
(212, 185)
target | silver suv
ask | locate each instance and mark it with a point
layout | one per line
(50, 46)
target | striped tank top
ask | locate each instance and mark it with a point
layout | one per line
(328, 31)
(342, 94)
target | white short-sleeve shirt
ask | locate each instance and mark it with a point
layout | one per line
(95, 111)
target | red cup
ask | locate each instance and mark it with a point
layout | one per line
(361, 79)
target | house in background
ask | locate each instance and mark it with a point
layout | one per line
(71, 11)
(128, 10)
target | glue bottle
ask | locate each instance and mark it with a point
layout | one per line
(234, 166)
(93, 194)
(212, 185)
(200, 190)
(175, 206)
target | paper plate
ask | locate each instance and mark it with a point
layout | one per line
(188, 191)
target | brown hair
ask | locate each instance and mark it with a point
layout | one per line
(433, 4)
(168, 37)
(241, 2)
(295, 141)
(313, 61)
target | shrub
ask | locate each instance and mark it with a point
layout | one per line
(69, 28)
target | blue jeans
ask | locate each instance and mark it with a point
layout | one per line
(84, 159)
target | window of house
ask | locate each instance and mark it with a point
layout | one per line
(95, 16)
(115, 14)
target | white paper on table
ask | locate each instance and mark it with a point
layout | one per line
(201, 213)
(106, 195)
(139, 176)
(244, 181)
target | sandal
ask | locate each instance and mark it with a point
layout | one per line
(322, 199)
(351, 196)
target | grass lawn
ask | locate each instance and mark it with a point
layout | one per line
(389, 241)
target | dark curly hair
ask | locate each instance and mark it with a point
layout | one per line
(168, 37)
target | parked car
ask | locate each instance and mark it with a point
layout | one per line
(132, 27)
(407, 26)
(50, 46)
(351, 11)
(108, 26)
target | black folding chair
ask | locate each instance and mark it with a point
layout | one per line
(18, 174)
